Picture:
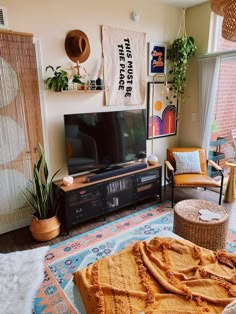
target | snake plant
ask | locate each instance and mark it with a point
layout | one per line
(41, 196)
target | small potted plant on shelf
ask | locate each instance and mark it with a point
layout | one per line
(77, 80)
(59, 80)
(44, 201)
(214, 131)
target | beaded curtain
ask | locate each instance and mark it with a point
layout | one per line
(20, 125)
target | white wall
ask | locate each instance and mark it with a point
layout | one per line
(198, 26)
(50, 20)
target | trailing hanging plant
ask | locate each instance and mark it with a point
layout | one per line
(179, 53)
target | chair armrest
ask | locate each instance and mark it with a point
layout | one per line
(213, 164)
(169, 166)
(169, 174)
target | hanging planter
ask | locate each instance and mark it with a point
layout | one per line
(227, 9)
(217, 6)
(179, 53)
(229, 21)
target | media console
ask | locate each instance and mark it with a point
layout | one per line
(85, 200)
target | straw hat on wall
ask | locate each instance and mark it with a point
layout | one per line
(77, 46)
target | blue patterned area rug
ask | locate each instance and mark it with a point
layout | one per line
(58, 294)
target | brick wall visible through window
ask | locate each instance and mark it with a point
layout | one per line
(225, 107)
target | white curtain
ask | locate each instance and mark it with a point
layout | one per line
(208, 81)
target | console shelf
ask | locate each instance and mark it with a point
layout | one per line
(85, 200)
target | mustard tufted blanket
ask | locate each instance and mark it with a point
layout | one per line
(163, 275)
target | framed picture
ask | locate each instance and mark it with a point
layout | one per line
(156, 59)
(162, 111)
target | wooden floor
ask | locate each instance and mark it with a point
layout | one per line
(21, 239)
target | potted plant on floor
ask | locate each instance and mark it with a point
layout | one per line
(43, 199)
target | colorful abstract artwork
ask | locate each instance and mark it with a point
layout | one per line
(157, 59)
(162, 110)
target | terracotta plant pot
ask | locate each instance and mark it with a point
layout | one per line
(45, 229)
(214, 136)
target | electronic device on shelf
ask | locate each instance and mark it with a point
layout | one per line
(103, 141)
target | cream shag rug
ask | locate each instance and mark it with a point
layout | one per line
(21, 274)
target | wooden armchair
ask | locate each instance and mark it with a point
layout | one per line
(180, 176)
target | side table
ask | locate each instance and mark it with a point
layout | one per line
(229, 196)
(189, 225)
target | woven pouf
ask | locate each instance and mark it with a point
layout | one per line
(189, 223)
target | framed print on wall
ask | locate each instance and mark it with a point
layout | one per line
(161, 112)
(156, 59)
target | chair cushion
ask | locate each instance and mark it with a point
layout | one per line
(193, 180)
(187, 162)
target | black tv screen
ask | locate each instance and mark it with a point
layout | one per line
(101, 140)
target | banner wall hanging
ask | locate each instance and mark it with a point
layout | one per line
(164, 120)
(124, 54)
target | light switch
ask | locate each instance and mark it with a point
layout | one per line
(194, 116)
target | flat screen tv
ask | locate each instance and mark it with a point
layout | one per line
(104, 140)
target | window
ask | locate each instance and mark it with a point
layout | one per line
(225, 104)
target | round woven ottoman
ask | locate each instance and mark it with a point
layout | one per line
(201, 222)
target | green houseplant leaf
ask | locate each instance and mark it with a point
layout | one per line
(179, 53)
(77, 79)
(42, 196)
(59, 80)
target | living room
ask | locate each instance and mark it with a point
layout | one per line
(52, 52)
(50, 22)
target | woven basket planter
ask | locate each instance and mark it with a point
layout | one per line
(45, 229)
(217, 6)
(229, 21)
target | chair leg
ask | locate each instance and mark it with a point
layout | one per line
(172, 196)
(165, 177)
(221, 188)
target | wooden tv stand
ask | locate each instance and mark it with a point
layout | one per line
(84, 200)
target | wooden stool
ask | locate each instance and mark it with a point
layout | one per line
(208, 234)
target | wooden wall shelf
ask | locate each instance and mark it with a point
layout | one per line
(88, 91)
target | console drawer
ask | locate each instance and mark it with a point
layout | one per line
(86, 211)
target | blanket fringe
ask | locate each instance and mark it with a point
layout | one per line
(177, 283)
(202, 304)
(222, 282)
(197, 254)
(98, 291)
(226, 258)
(228, 286)
(144, 276)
